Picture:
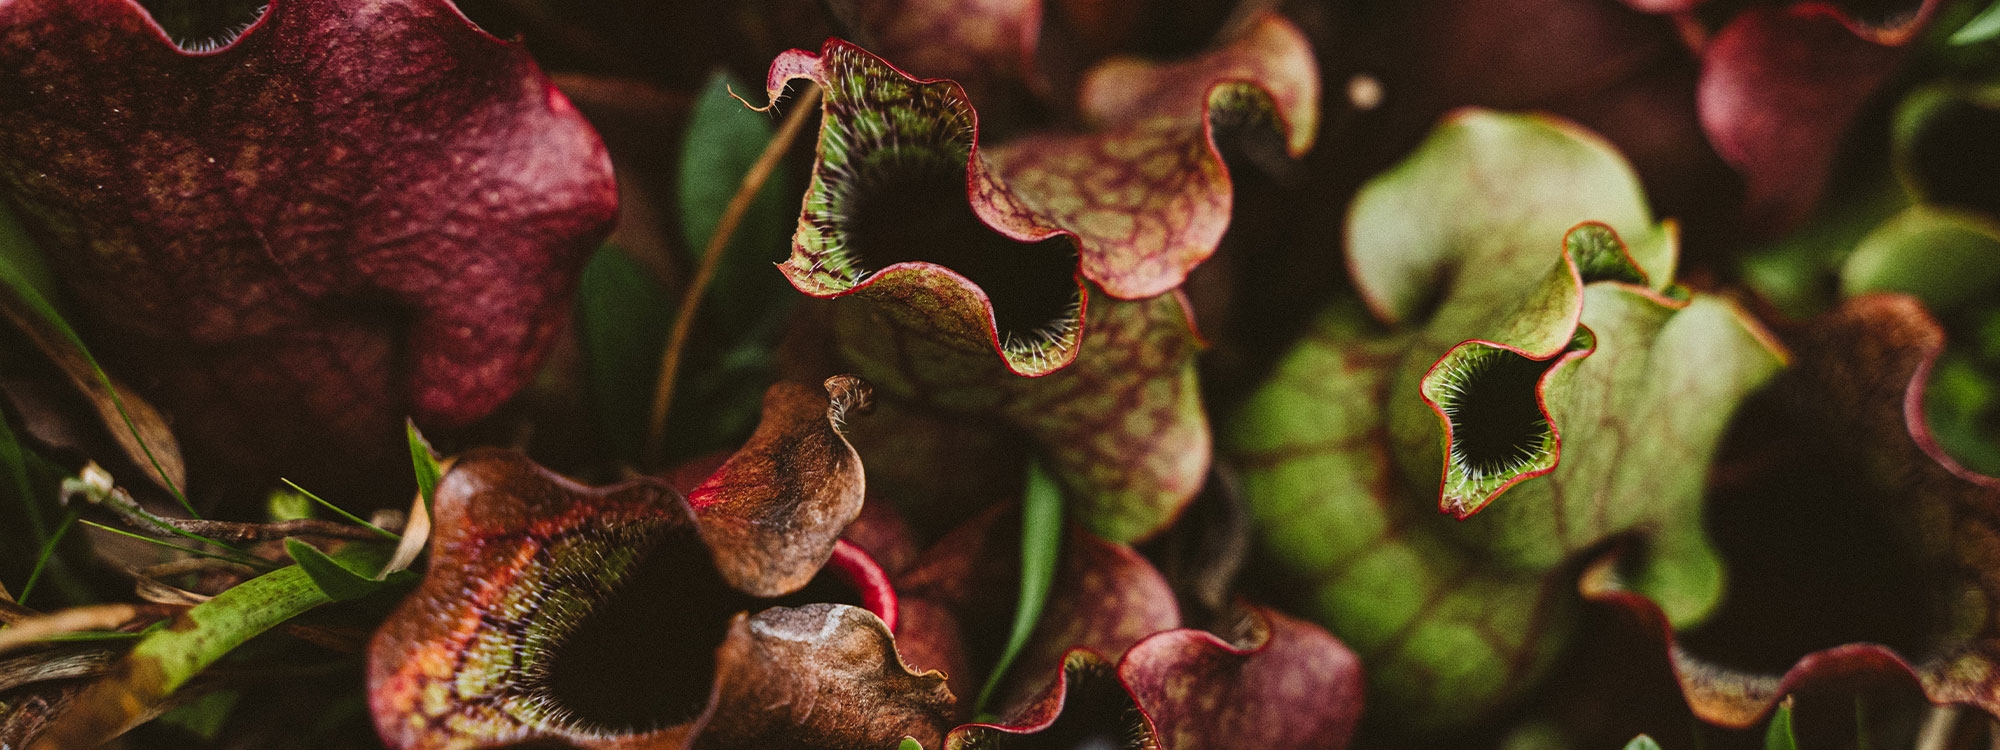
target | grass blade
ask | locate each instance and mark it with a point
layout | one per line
(425, 462)
(386, 534)
(1778, 735)
(1041, 540)
(239, 559)
(14, 463)
(24, 286)
(1982, 27)
(42, 562)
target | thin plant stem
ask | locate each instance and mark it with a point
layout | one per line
(711, 260)
(42, 563)
(239, 559)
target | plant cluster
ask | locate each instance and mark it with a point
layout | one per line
(1154, 374)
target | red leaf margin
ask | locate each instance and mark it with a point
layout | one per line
(1779, 88)
(1126, 273)
(1899, 330)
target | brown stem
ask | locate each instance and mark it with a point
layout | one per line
(136, 516)
(711, 259)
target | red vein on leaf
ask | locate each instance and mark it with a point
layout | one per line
(711, 260)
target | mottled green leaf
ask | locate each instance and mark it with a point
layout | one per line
(1534, 345)
(1642, 742)
(1482, 235)
(166, 658)
(1491, 195)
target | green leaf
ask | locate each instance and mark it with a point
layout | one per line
(724, 371)
(1560, 368)
(1799, 272)
(724, 138)
(1778, 735)
(910, 743)
(1491, 195)
(27, 500)
(167, 657)
(1489, 232)
(1987, 337)
(215, 627)
(425, 463)
(1945, 257)
(337, 581)
(1982, 27)
(624, 316)
(1642, 742)
(1959, 400)
(1041, 540)
(1863, 726)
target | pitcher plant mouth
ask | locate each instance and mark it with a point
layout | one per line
(204, 27)
(612, 671)
(1489, 399)
(1518, 331)
(524, 627)
(1490, 395)
(907, 209)
(1086, 707)
(908, 204)
(895, 205)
